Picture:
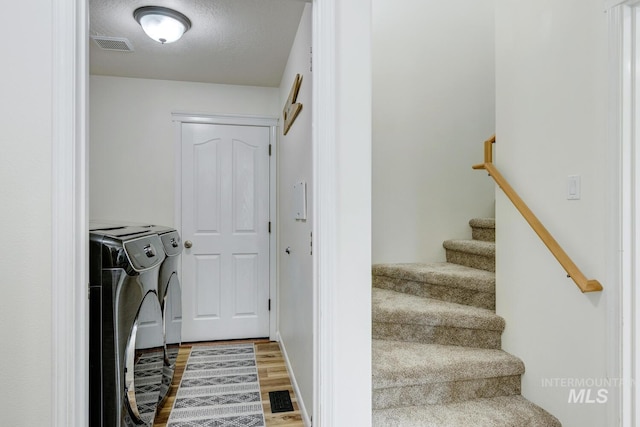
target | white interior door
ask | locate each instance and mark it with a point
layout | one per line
(225, 221)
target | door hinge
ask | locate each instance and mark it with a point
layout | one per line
(269, 304)
(269, 150)
(269, 226)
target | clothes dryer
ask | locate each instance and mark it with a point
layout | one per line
(126, 342)
(170, 297)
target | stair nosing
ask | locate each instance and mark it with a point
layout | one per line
(439, 274)
(486, 223)
(470, 246)
(463, 316)
(460, 364)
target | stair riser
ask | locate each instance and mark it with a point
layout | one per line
(477, 338)
(440, 292)
(471, 260)
(483, 234)
(511, 411)
(445, 392)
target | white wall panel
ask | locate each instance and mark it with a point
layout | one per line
(551, 100)
(433, 106)
(25, 191)
(132, 139)
(347, 301)
(295, 271)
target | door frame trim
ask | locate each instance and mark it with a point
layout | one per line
(69, 331)
(69, 215)
(342, 212)
(324, 209)
(623, 327)
(236, 120)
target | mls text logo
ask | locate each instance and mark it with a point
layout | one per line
(588, 395)
(587, 390)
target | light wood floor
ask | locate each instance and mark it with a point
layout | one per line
(272, 373)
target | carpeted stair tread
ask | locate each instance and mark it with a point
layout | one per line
(472, 253)
(401, 364)
(442, 281)
(436, 358)
(440, 273)
(475, 247)
(483, 229)
(404, 317)
(483, 223)
(502, 411)
(396, 307)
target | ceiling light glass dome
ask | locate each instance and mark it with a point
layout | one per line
(162, 24)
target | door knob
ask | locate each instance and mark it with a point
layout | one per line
(188, 244)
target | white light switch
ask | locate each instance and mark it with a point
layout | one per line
(573, 187)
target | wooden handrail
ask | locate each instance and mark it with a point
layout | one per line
(572, 270)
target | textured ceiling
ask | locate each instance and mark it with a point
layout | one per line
(242, 42)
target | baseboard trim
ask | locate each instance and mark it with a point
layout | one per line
(294, 383)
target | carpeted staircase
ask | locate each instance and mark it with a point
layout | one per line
(437, 360)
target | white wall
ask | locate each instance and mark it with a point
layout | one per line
(342, 168)
(295, 271)
(433, 106)
(132, 139)
(25, 192)
(551, 100)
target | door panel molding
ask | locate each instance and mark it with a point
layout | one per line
(180, 118)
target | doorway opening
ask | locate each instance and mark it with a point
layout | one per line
(225, 201)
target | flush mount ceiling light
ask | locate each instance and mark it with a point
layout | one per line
(162, 24)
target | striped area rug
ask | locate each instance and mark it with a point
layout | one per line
(219, 388)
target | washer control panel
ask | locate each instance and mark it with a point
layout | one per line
(145, 252)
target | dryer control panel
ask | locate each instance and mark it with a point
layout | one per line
(172, 243)
(144, 253)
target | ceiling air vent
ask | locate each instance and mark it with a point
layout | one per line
(113, 43)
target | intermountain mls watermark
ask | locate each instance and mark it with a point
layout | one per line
(586, 390)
